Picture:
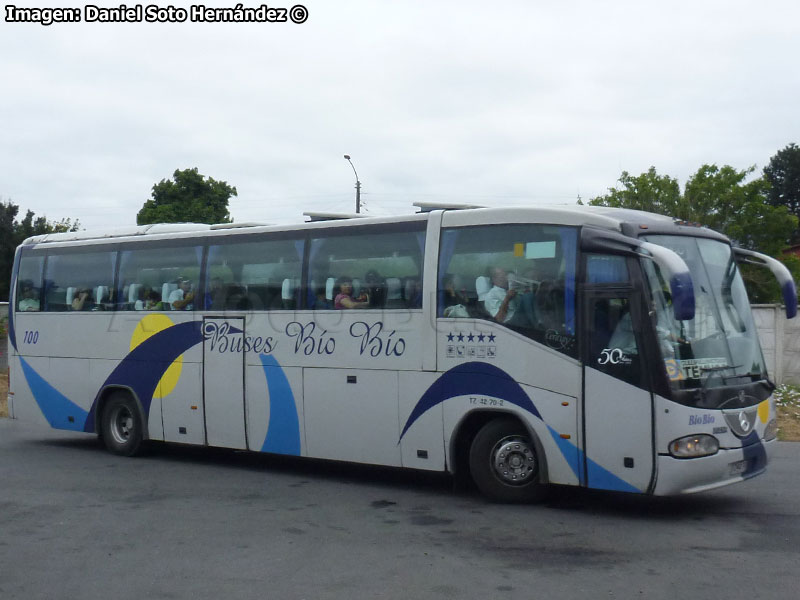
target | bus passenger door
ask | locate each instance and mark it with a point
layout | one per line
(223, 382)
(617, 400)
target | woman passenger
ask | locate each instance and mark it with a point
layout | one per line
(344, 299)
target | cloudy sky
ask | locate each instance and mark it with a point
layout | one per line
(490, 103)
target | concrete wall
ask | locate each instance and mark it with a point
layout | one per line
(780, 340)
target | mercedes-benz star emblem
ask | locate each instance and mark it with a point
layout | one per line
(744, 423)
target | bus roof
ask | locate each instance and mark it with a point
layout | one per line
(627, 221)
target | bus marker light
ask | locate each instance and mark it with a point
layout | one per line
(566, 436)
(694, 446)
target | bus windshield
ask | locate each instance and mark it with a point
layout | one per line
(720, 345)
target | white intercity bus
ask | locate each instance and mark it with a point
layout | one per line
(521, 347)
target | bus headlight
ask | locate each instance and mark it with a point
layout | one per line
(771, 430)
(694, 446)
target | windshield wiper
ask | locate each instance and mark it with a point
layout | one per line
(702, 392)
(718, 369)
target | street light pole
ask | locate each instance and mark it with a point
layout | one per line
(358, 185)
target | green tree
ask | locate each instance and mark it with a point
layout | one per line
(14, 232)
(718, 197)
(783, 175)
(722, 199)
(649, 191)
(188, 198)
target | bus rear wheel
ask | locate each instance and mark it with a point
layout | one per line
(504, 464)
(121, 425)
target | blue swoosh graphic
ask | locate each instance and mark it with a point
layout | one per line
(60, 411)
(143, 368)
(482, 378)
(283, 432)
(471, 378)
(146, 364)
(755, 454)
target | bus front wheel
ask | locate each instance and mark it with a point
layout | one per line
(122, 425)
(504, 464)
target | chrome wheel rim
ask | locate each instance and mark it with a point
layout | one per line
(514, 460)
(121, 420)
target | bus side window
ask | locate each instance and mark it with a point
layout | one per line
(519, 276)
(253, 275)
(75, 278)
(385, 267)
(150, 274)
(29, 283)
(613, 347)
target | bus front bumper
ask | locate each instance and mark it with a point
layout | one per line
(690, 475)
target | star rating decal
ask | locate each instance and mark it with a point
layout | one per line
(475, 347)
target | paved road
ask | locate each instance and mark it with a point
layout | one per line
(78, 523)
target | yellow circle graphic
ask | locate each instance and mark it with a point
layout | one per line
(150, 325)
(763, 411)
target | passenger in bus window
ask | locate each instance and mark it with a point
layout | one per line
(344, 299)
(502, 302)
(153, 301)
(83, 300)
(182, 298)
(454, 301)
(141, 298)
(29, 302)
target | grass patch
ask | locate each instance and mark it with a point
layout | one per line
(787, 401)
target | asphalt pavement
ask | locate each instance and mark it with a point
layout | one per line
(182, 522)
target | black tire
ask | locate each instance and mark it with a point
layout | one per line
(504, 463)
(121, 425)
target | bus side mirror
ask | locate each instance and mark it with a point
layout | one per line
(781, 273)
(678, 276)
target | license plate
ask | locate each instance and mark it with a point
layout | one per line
(738, 467)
